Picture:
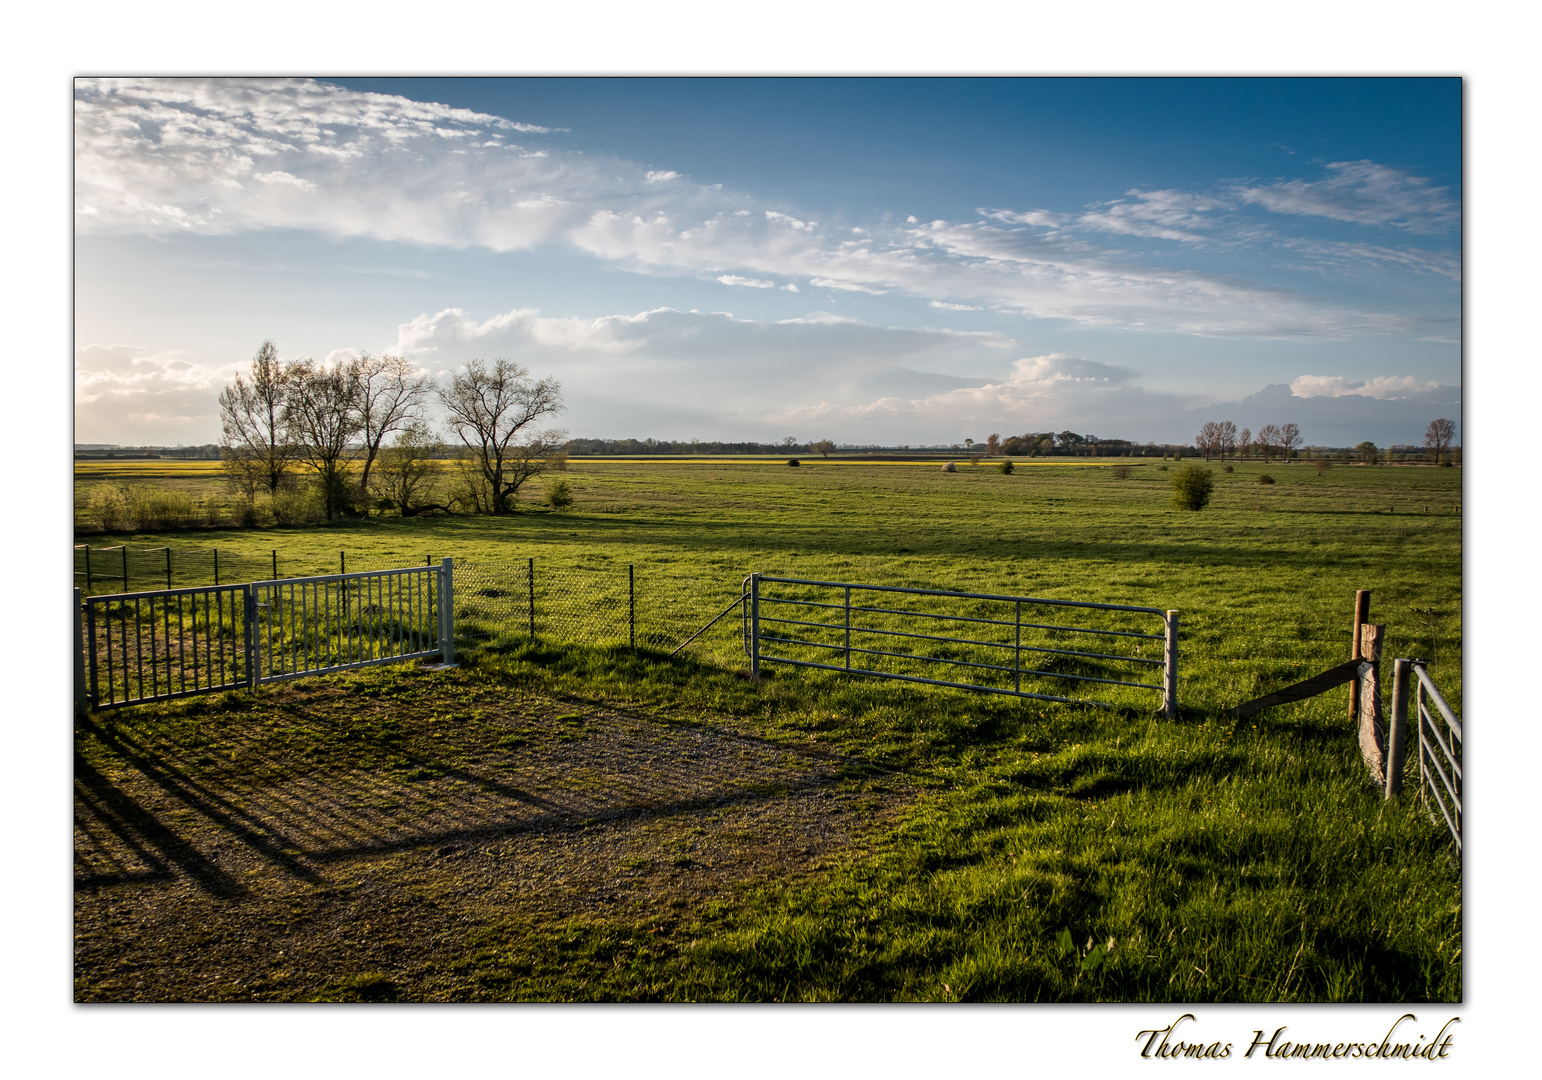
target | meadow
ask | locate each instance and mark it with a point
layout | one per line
(987, 849)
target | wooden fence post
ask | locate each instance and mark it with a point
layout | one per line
(1372, 744)
(1362, 616)
(1397, 726)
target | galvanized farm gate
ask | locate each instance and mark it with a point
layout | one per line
(1440, 744)
(138, 647)
(816, 624)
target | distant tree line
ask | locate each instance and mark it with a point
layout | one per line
(206, 452)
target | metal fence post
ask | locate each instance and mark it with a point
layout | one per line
(1170, 665)
(168, 566)
(88, 569)
(216, 566)
(754, 626)
(631, 604)
(275, 564)
(249, 606)
(447, 609)
(530, 581)
(125, 568)
(82, 701)
(1362, 616)
(1398, 727)
(1017, 652)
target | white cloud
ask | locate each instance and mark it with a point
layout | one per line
(1383, 387)
(945, 306)
(228, 155)
(1364, 193)
(754, 283)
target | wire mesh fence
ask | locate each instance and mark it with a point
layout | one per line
(119, 568)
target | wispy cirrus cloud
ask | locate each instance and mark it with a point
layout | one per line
(1361, 192)
(223, 156)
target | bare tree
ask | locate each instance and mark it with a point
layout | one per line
(823, 446)
(392, 395)
(1244, 441)
(255, 448)
(1209, 439)
(993, 444)
(488, 407)
(1268, 439)
(1437, 438)
(1290, 438)
(1225, 437)
(321, 417)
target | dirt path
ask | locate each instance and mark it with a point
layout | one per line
(246, 862)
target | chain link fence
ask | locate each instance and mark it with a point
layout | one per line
(654, 605)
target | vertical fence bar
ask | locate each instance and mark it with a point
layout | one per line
(754, 626)
(848, 629)
(216, 566)
(447, 609)
(80, 654)
(631, 605)
(1170, 665)
(249, 625)
(530, 581)
(168, 566)
(1398, 726)
(1017, 651)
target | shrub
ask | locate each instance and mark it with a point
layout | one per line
(1006, 468)
(1191, 487)
(794, 462)
(107, 505)
(1265, 478)
(949, 467)
(559, 496)
(1121, 472)
(1228, 469)
(1323, 465)
(1161, 468)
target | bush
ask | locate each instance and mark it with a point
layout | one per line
(1121, 472)
(1192, 486)
(794, 462)
(1162, 468)
(1323, 465)
(950, 467)
(559, 496)
(1006, 468)
(1229, 469)
(1265, 478)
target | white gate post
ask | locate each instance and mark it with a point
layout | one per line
(82, 700)
(1170, 666)
(447, 609)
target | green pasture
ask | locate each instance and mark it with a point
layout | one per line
(1053, 852)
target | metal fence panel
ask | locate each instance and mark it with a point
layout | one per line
(1022, 646)
(313, 625)
(1440, 755)
(166, 644)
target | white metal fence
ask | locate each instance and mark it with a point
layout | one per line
(1439, 744)
(138, 647)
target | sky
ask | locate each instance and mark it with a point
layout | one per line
(869, 260)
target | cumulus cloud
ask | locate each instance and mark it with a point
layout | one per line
(1361, 192)
(1383, 387)
(130, 394)
(221, 156)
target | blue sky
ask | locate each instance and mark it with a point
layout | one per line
(868, 260)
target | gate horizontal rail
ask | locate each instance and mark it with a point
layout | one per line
(980, 653)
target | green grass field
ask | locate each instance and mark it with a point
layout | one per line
(1043, 852)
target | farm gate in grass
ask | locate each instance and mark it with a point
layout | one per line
(978, 641)
(139, 647)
